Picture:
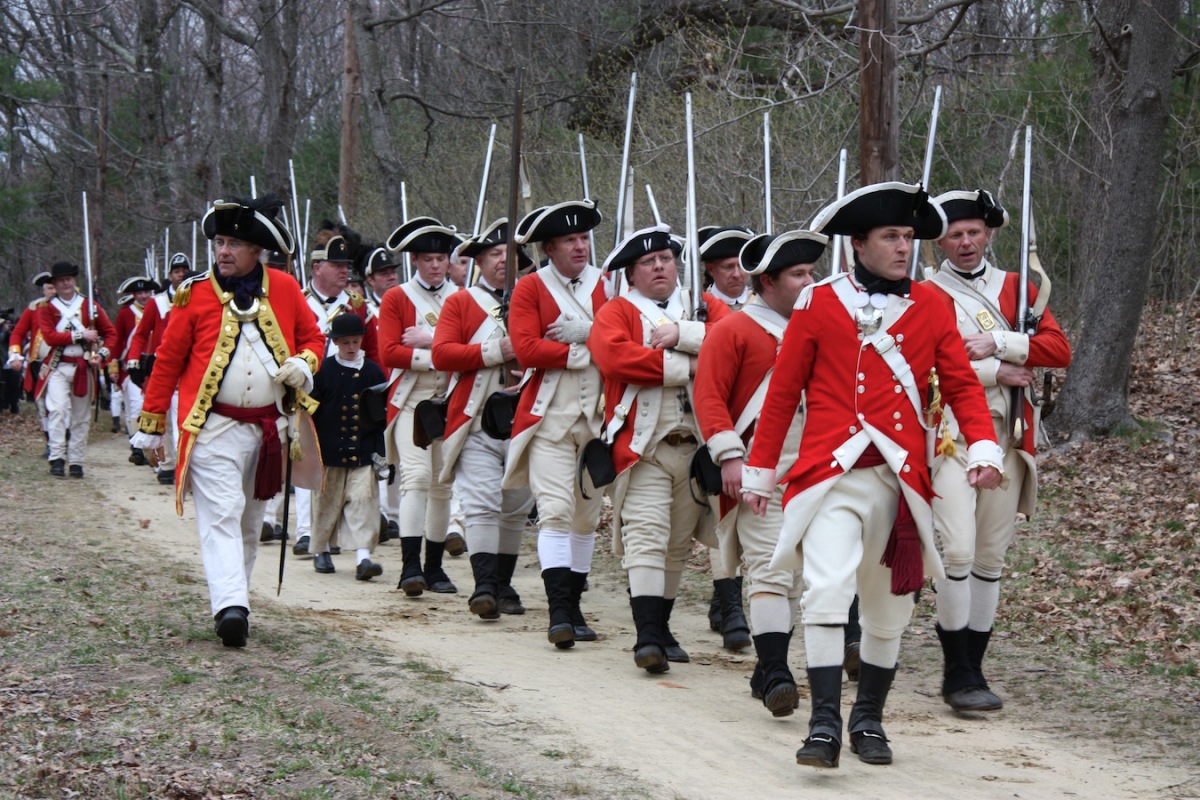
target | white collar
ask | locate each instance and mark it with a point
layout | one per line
(726, 299)
(356, 364)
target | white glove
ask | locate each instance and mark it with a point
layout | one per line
(146, 441)
(294, 373)
(15, 361)
(569, 330)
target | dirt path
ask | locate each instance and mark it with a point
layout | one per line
(590, 722)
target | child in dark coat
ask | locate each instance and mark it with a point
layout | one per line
(351, 450)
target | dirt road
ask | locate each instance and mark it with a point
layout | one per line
(588, 721)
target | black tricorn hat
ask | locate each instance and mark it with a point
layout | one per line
(424, 235)
(277, 258)
(718, 243)
(335, 250)
(561, 219)
(889, 203)
(978, 204)
(494, 234)
(179, 260)
(378, 261)
(252, 221)
(347, 325)
(138, 283)
(64, 269)
(41, 279)
(640, 243)
(765, 254)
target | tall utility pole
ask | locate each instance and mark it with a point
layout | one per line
(879, 128)
(351, 111)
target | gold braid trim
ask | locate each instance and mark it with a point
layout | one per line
(936, 416)
(184, 293)
(153, 424)
(222, 352)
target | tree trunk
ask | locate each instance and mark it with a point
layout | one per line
(879, 132)
(279, 31)
(351, 120)
(1133, 52)
(378, 116)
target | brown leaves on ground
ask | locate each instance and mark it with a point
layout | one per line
(1110, 563)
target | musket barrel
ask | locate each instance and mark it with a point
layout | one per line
(653, 205)
(625, 159)
(692, 228)
(587, 193)
(768, 222)
(836, 265)
(927, 171)
(483, 183)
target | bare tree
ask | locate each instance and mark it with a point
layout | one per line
(1134, 51)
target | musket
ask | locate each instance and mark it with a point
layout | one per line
(302, 245)
(620, 234)
(836, 264)
(587, 194)
(653, 205)
(405, 258)
(699, 313)
(1025, 321)
(91, 300)
(166, 252)
(925, 173)
(253, 189)
(768, 226)
(483, 182)
(193, 264)
(511, 261)
(618, 221)
(295, 199)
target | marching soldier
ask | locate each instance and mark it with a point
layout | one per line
(472, 341)
(550, 317)
(645, 345)
(141, 355)
(242, 342)
(408, 319)
(863, 347)
(734, 371)
(27, 360)
(81, 338)
(725, 278)
(141, 290)
(381, 274)
(975, 528)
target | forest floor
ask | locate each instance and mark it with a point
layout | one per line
(113, 684)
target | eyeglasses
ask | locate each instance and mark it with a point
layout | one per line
(654, 259)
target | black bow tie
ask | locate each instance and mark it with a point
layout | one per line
(432, 289)
(663, 304)
(970, 276)
(873, 284)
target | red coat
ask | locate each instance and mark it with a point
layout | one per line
(356, 305)
(27, 327)
(1048, 346)
(736, 356)
(193, 355)
(150, 331)
(531, 312)
(49, 316)
(127, 324)
(617, 345)
(452, 352)
(847, 385)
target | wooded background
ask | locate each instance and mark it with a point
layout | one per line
(158, 107)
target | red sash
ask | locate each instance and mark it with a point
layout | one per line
(903, 551)
(267, 476)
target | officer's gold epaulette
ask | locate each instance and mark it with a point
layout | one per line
(356, 299)
(184, 293)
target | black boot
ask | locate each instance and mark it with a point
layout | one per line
(670, 643)
(823, 746)
(412, 578)
(735, 631)
(558, 597)
(852, 637)
(649, 651)
(484, 600)
(136, 456)
(977, 645)
(508, 601)
(435, 577)
(776, 683)
(866, 716)
(582, 632)
(963, 688)
(714, 609)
